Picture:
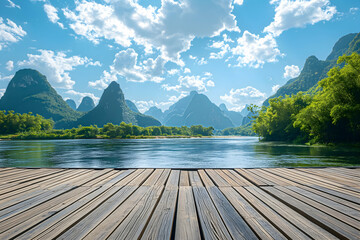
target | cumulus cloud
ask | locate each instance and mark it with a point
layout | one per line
(187, 70)
(143, 106)
(240, 97)
(191, 82)
(9, 65)
(173, 71)
(291, 71)
(222, 46)
(239, 2)
(299, 13)
(10, 32)
(275, 88)
(55, 66)
(12, 5)
(126, 65)
(51, 12)
(254, 51)
(169, 29)
(6, 78)
(81, 95)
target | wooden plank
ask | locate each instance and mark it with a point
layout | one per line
(138, 180)
(333, 177)
(216, 178)
(329, 223)
(235, 224)
(336, 214)
(250, 177)
(32, 202)
(160, 224)
(83, 227)
(230, 180)
(332, 204)
(284, 226)
(173, 180)
(313, 230)
(163, 178)
(53, 226)
(212, 226)
(261, 227)
(153, 177)
(65, 219)
(14, 226)
(194, 179)
(205, 178)
(184, 178)
(238, 178)
(332, 197)
(187, 225)
(133, 225)
(273, 178)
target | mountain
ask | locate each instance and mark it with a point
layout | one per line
(245, 111)
(87, 104)
(235, 117)
(315, 70)
(71, 103)
(132, 106)
(112, 108)
(155, 113)
(196, 109)
(29, 91)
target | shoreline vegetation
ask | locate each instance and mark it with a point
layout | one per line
(26, 126)
(330, 116)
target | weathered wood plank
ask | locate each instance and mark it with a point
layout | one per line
(331, 224)
(187, 225)
(212, 226)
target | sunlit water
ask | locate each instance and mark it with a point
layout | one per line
(242, 152)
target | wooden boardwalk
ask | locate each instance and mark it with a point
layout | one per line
(274, 203)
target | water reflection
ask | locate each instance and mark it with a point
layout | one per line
(175, 153)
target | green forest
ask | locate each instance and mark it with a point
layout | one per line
(29, 126)
(329, 115)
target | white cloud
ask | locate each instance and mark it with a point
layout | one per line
(224, 48)
(291, 71)
(275, 88)
(254, 51)
(173, 71)
(299, 13)
(12, 5)
(9, 65)
(187, 70)
(143, 106)
(10, 32)
(191, 82)
(55, 66)
(6, 78)
(51, 12)
(200, 61)
(126, 65)
(2, 91)
(169, 29)
(353, 10)
(239, 2)
(240, 97)
(81, 95)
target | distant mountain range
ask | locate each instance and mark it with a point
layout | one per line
(29, 91)
(314, 69)
(112, 108)
(71, 103)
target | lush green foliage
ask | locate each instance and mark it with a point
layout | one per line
(36, 127)
(11, 123)
(245, 130)
(331, 115)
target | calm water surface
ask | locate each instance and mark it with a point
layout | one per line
(244, 152)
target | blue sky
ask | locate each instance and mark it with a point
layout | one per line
(236, 52)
